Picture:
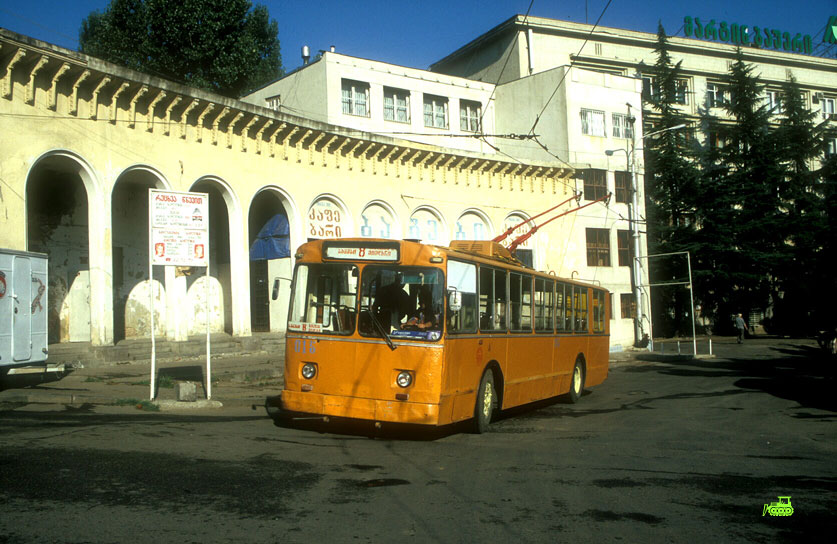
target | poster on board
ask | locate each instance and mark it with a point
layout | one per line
(179, 225)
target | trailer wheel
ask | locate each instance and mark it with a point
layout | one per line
(486, 402)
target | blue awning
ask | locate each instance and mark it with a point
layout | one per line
(273, 241)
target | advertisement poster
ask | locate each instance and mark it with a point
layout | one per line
(179, 224)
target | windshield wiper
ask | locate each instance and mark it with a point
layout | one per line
(380, 329)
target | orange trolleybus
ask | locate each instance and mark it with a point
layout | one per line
(404, 332)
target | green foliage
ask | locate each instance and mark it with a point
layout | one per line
(761, 195)
(671, 179)
(224, 46)
(741, 242)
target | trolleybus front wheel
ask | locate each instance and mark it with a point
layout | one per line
(577, 384)
(486, 402)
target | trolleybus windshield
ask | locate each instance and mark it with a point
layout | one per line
(406, 301)
(324, 298)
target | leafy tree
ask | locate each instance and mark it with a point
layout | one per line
(671, 180)
(225, 46)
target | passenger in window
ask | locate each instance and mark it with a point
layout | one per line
(422, 317)
(392, 303)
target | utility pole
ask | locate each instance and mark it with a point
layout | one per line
(634, 227)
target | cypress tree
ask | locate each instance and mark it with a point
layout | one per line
(671, 182)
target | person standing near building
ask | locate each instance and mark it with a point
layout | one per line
(741, 326)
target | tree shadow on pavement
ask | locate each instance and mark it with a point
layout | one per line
(797, 373)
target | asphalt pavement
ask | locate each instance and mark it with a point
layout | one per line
(244, 379)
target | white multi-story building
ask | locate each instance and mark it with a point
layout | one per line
(569, 117)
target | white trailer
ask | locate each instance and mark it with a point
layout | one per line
(23, 308)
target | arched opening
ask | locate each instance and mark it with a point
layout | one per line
(129, 224)
(525, 252)
(270, 261)
(58, 224)
(427, 226)
(473, 225)
(220, 305)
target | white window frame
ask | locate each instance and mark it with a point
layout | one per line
(681, 92)
(775, 102)
(621, 127)
(827, 104)
(355, 98)
(396, 105)
(274, 102)
(719, 95)
(831, 146)
(470, 112)
(435, 111)
(593, 122)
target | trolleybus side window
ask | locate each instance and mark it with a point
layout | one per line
(580, 308)
(520, 302)
(324, 299)
(543, 304)
(462, 277)
(515, 301)
(492, 299)
(563, 307)
(598, 311)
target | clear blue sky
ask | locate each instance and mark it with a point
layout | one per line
(417, 33)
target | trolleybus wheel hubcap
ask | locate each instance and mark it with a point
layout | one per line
(486, 399)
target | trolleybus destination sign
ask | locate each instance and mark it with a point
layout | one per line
(179, 225)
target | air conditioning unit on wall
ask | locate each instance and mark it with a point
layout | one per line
(818, 97)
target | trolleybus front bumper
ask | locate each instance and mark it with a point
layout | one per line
(393, 411)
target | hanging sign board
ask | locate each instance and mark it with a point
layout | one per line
(179, 224)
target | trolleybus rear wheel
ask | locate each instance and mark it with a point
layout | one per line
(577, 384)
(486, 402)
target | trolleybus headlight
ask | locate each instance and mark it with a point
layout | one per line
(404, 379)
(309, 370)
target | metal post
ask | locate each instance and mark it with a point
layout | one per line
(633, 218)
(151, 309)
(208, 360)
(692, 299)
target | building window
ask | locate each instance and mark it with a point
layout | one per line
(592, 122)
(469, 115)
(648, 87)
(628, 303)
(831, 147)
(435, 111)
(827, 108)
(624, 247)
(774, 102)
(598, 247)
(717, 95)
(681, 92)
(355, 98)
(623, 186)
(396, 105)
(715, 140)
(274, 102)
(623, 127)
(595, 183)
